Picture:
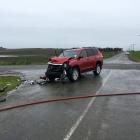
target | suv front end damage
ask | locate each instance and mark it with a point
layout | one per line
(56, 71)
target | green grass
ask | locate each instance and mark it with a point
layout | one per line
(134, 56)
(32, 51)
(24, 60)
(28, 56)
(10, 82)
(108, 54)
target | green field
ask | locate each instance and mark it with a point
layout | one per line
(134, 56)
(24, 60)
(109, 54)
(28, 56)
(33, 56)
(9, 83)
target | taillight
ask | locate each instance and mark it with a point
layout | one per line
(101, 54)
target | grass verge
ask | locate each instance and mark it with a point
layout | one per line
(10, 82)
(134, 56)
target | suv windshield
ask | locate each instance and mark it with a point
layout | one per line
(68, 54)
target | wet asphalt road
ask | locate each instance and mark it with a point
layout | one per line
(109, 118)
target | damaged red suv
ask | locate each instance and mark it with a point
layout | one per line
(71, 63)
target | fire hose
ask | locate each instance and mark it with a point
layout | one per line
(41, 101)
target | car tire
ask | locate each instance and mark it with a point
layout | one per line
(97, 70)
(74, 74)
(51, 79)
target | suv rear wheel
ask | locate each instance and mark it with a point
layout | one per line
(74, 74)
(97, 70)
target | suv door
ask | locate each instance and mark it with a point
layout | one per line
(92, 53)
(83, 61)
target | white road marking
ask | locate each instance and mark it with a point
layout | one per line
(75, 126)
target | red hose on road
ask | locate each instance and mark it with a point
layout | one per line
(41, 101)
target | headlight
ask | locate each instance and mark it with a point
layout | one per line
(65, 65)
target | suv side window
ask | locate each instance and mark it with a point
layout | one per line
(91, 52)
(83, 53)
(95, 51)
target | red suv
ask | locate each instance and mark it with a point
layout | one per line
(71, 63)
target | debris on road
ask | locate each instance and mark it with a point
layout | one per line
(34, 82)
(31, 82)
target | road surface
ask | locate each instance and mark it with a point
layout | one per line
(107, 118)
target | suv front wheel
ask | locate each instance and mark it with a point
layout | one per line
(74, 74)
(97, 70)
(51, 79)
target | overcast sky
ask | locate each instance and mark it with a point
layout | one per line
(69, 23)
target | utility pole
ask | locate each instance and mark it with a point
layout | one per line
(138, 35)
(133, 47)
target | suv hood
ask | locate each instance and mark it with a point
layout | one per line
(58, 60)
